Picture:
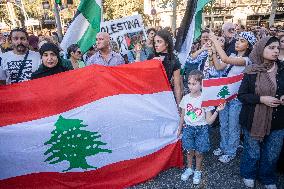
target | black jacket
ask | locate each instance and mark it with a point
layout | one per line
(249, 99)
(230, 47)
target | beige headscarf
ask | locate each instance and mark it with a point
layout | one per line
(264, 86)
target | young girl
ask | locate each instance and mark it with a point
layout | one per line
(164, 51)
(195, 138)
(229, 117)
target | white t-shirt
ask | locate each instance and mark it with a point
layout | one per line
(236, 70)
(10, 64)
(194, 113)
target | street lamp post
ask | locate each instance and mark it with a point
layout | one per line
(174, 21)
(46, 5)
(58, 22)
(211, 16)
(153, 13)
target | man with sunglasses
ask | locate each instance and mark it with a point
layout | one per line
(75, 56)
(18, 64)
(228, 31)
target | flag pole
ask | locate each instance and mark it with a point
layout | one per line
(58, 22)
(102, 11)
(174, 15)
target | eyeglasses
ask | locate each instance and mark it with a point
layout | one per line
(79, 52)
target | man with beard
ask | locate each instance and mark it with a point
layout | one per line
(17, 65)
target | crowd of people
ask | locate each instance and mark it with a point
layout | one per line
(254, 115)
(253, 119)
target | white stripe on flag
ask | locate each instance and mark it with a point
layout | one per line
(75, 31)
(211, 93)
(99, 2)
(153, 125)
(187, 44)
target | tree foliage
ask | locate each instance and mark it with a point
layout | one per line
(33, 8)
(3, 14)
(165, 3)
(114, 9)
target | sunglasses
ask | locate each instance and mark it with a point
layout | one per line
(231, 30)
(79, 52)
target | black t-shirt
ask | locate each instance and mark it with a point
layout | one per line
(230, 47)
(170, 64)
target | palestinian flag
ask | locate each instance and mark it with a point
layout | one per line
(85, 26)
(220, 90)
(59, 2)
(190, 29)
(95, 127)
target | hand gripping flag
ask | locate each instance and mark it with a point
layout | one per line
(95, 127)
(220, 90)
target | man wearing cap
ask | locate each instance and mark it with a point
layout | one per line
(105, 56)
(17, 65)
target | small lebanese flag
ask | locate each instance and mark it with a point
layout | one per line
(219, 90)
(95, 127)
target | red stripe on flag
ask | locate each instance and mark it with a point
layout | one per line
(221, 81)
(62, 92)
(115, 176)
(217, 102)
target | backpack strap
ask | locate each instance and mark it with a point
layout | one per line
(22, 67)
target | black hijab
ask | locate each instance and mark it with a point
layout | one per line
(44, 71)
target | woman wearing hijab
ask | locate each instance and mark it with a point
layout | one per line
(51, 62)
(261, 117)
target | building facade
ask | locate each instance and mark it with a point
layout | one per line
(246, 12)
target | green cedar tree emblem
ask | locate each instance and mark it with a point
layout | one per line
(224, 92)
(68, 142)
(192, 115)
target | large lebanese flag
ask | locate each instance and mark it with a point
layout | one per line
(220, 90)
(95, 127)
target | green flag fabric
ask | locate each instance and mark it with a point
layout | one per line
(85, 26)
(198, 17)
